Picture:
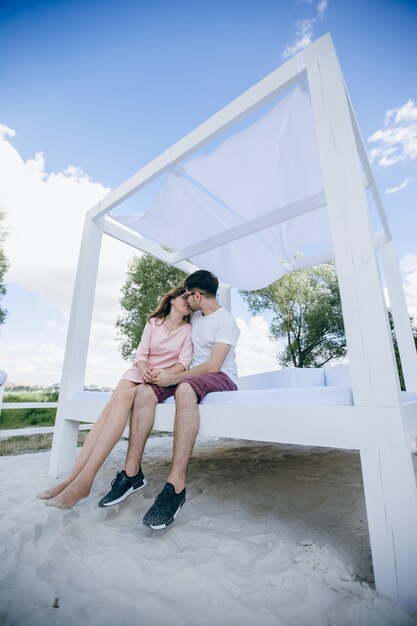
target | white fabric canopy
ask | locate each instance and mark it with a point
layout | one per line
(269, 165)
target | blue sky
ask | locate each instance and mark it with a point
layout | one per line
(94, 90)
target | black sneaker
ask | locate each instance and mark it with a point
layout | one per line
(122, 486)
(165, 508)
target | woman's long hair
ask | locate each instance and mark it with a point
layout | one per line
(164, 307)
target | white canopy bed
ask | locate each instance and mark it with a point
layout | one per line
(290, 187)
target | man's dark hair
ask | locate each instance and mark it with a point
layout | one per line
(204, 281)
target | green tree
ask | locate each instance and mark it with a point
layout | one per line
(395, 342)
(147, 280)
(4, 265)
(307, 312)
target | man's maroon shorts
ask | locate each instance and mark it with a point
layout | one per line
(202, 385)
(206, 383)
(163, 393)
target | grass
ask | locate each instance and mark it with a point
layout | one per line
(22, 444)
(30, 396)
(27, 418)
(32, 443)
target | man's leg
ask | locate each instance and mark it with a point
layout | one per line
(173, 496)
(185, 431)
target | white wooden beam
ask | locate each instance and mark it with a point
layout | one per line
(389, 481)
(126, 235)
(400, 315)
(76, 349)
(371, 184)
(373, 366)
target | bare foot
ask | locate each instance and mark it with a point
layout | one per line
(52, 491)
(57, 503)
(68, 497)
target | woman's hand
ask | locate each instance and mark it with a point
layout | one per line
(146, 373)
(155, 374)
(164, 379)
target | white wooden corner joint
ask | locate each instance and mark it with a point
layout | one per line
(377, 423)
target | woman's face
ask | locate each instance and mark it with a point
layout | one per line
(181, 305)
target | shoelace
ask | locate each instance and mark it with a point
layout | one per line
(116, 479)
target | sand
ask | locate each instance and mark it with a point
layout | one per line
(271, 535)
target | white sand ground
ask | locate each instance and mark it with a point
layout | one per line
(271, 535)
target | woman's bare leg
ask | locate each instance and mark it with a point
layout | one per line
(109, 436)
(89, 443)
(141, 422)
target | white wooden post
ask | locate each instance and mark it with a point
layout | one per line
(72, 380)
(3, 378)
(224, 296)
(400, 315)
(390, 486)
(391, 506)
(371, 356)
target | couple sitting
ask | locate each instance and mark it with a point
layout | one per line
(160, 370)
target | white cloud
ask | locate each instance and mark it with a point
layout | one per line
(255, 351)
(44, 216)
(397, 141)
(402, 185)
(24, 361)
(408, 265)
(406, 113)
(321, 9)
(5, 132)
(305, 31)
(409, 262)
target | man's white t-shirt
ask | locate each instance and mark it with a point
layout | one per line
(217, 327)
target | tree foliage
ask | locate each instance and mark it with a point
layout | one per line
(395, 342)
(4, 265)
(146, 281)
(307, 313)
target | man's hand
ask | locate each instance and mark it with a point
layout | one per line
(163, 379)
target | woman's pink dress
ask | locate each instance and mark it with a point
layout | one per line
(161, 349)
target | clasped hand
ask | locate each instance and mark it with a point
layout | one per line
(157, 376)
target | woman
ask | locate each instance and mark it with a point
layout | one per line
(165, 345)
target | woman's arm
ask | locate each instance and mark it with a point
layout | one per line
(142, 353)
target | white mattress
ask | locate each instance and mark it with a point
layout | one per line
(334, 396)
(301, 396)
(318, 396)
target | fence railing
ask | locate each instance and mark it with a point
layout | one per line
(36, 430)
(28, 405)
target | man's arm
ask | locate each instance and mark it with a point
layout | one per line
(174, 369)
(212, 366)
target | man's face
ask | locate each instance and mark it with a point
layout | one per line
(194, 299)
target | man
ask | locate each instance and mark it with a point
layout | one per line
(214, 336)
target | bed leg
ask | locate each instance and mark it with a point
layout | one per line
(64, 446)
(391, 503)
